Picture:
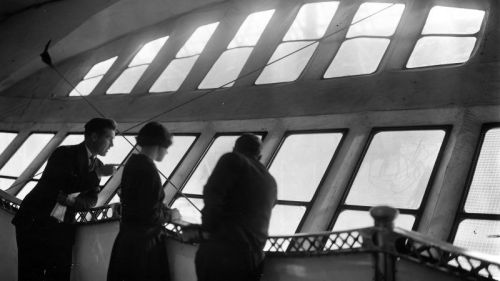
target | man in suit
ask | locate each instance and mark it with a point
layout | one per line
(239, 196)
(44, 243)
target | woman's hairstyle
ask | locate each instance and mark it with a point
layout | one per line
(153, 133)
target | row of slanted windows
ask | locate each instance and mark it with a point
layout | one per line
(449, 36)
(396, 169)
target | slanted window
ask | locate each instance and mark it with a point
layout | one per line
(172, 77)
(229, 65)
(478, 222)
(122, 147)
(181, 144)
(396, 170)
(367, 40)
(5, 139)
(298, 168)
(70, 139)
(449, 36)
(90, 81)
(301, 39)
(136, 68)
(21, 159)
(193, 189)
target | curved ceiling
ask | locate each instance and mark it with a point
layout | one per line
(74, 26)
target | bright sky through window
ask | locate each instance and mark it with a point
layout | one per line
(129, 78)
(178, 69)
(5, 140)
(25, 154)
(438, 46)
(90, 81)
(309, 25)
(229, 65)
(396, 169)
(301, 163)
(362, 54)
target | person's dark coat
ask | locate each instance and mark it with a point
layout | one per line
(239, 196)
(139, 251)
(44, 244)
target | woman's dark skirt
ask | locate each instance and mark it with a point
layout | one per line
(139, 254)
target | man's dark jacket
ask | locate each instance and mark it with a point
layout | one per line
(67, 172)
(239, 197)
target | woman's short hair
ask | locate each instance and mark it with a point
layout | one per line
(154, 133)
(248, 144)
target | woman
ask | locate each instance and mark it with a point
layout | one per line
(139, 249)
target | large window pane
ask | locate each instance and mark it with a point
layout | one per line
(357, 56)
(100, 68)
(251, 29)
(25, 154)
(179, 147)
(285, 219)
(85, 87)
(226, 68)
(188, 212)
(289, 68)
(435, 50)
(359, 219)
(147, 53)
(311, 21)
(5, 140)
(396, 169)
(90, 81)
(301, 163)
(484, 193)
(71, 139)
(5, 183)
(448, 20)
(376, 19)
(479, 235)
(127, 80)
(26, 189)
(221, 145)
(196, 43)
(172, 77)
(116, 154)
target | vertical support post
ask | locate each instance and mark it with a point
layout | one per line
(385, 263)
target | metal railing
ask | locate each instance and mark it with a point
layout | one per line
(388, 244)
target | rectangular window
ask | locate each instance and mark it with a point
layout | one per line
(172, 77)
(181, 144)
(302, 40)
(70, 139)
(367, 40)
(193, 189)
(449, 36)
(93, 77)
(478, 222)
(231, 62)
(396, 170)
(136, 68)
(298, 168)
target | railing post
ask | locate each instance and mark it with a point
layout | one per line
(385, 267)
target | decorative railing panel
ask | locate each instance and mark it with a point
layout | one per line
(386, 243)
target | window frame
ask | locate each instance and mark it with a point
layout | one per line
(309, 43)
(392, 38)
(26, 181)
(479, 35)
(417, 213)
(308, 204)
(179, 192)
(167, 181)
(461, 214)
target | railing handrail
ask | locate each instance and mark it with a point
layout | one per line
(382, 239)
